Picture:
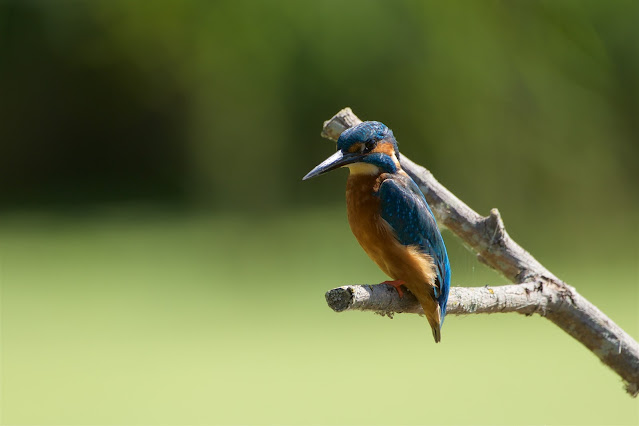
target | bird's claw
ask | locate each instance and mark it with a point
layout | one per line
(397, 284)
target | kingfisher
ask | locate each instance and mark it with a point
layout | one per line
(390, 217)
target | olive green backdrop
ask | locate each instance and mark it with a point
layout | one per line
(161, 261)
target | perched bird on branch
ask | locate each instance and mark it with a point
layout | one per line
(390, 217)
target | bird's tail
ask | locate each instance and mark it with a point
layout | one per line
(426, 298)
(433, 315)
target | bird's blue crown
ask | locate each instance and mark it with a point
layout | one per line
(368, 131)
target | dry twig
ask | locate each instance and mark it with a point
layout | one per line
(538, 291)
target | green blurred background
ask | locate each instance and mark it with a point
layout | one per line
(161, 261)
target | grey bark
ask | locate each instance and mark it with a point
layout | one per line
(537, 290)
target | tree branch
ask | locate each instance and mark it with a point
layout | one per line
(538, 291)
(528, 299)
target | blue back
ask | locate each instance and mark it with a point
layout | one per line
(405, 209)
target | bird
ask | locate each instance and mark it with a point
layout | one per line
(390, 218)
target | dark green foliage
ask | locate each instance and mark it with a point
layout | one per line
(166, 100)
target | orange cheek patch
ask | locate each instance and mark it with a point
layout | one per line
(385, 148)
(357, 147)
(388, 149)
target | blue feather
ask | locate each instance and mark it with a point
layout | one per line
(366, 131)
(384, 162)
(405, 209)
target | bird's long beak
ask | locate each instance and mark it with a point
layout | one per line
(336, 160)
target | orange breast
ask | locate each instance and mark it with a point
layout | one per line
(363, 216)
(377, 238)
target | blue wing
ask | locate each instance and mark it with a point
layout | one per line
(405, 209)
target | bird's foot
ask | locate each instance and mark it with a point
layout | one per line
(397, 284)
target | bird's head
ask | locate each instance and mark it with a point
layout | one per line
(368, 148)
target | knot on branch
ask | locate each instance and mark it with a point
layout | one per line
(495, 241)
(565, 293)
(553, 294)
(341, 121)
(494, 226)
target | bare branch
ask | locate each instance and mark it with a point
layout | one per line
(538, 291)
(528, 299)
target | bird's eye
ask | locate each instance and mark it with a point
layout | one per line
(369, 146)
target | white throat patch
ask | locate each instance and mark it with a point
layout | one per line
(363, 169)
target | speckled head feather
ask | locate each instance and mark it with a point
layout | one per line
(368, 131)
